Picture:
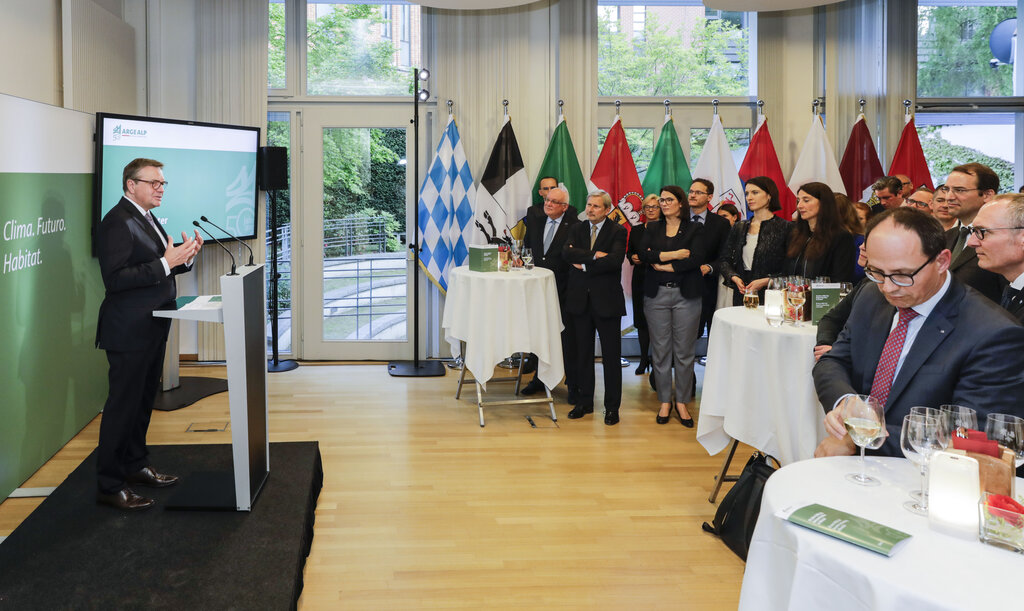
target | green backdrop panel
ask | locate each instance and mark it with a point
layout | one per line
(54, 380)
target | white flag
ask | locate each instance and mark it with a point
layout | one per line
(504, 193)
(717, 165)
(817, 162)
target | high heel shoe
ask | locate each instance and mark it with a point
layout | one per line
(687, 422)
(645, 363)
(663, 419)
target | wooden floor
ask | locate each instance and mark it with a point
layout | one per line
(423, 509)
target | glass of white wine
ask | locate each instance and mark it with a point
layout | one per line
(862, 415)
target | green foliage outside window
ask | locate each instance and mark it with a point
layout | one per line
(953, 57)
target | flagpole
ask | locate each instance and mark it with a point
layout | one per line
(416, 368)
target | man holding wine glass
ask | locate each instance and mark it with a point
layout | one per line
(918, 337)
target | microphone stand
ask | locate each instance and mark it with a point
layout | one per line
(196, 223)
(233, 237)
(275, 364)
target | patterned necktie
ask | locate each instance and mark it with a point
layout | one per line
(698, 220)
(152, 223)
(1009, 295)
(593, 235)
(961, 241)
(886, 370)
(549, 234)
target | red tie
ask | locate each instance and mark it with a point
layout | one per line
(886, 369)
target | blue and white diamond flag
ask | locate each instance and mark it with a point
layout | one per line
(446, 209)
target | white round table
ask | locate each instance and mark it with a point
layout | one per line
(758, 387)
(791, 567)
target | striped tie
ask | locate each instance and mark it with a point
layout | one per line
(886, 369)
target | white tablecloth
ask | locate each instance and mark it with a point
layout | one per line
(791, 567)
(498, 313)
(758, 387)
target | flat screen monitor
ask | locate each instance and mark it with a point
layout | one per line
(210, 171)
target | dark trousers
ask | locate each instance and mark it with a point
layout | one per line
(709, 301)
(609, 331)
(134, 381)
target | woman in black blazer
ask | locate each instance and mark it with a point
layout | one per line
(652, 212)
(674, 251)
(818, 243)
(756, 248)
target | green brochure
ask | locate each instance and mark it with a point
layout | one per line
(483, 258)
(848, 527)
(824, 297)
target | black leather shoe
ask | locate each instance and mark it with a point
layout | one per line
(687, 422)
(662, 419)
(147, 476)
(641, 369)
(611, 417)
(125, 500)
(535, 386)
(579, 411)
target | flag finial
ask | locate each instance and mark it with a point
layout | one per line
(906, 107)
(450, 104)
(760, 107)
(618, 108)
(668, 108)
(861, 102)
(561, 103)
(715, 104)
(504, 104)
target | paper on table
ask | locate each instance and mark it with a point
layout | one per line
(847, 527)
(203, 302)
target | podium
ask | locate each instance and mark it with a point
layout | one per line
(241, 308)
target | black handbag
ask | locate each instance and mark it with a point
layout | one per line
(737, 514)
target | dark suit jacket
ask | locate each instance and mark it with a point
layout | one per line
(129, 256)
(969, 352)
(837, 262)
(598, 289)
(715, 234)
(1016, 309)
(769, 254)
(552, 259)
(966, 270)
(686, 271)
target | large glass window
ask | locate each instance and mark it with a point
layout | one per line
(951, 139)
(672, 49)
(738, 137)
(276, 47)
(359, 49)
(641, 144)
(964, 48)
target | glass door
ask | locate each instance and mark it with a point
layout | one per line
(356, 267)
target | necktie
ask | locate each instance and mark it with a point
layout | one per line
(152, 223)
(593, 235)
(698, 220)
(1010, 294)
(886, 369)
(961, 241)
(549, 234)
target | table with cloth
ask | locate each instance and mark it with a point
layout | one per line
(792, 567)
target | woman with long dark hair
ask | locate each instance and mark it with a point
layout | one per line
(756, 247)
(674, 252)
(652, 212)
(818, 243)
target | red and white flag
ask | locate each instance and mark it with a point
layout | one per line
(761, 160)
(615, 173)
(909, 158)
(717, 165)
(860, 166)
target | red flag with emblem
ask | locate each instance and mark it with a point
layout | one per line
(615, 173)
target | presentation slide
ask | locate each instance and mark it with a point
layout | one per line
(210, 171)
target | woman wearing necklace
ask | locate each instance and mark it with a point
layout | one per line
(818, 243)
(756, 248)
(674, 252)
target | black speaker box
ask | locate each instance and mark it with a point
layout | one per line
(273, 165)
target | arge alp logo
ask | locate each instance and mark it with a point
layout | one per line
(127, 132)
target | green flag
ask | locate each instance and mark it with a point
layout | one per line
(668, 164)
(561, 163)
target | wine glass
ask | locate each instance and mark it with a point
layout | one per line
(777, 283)
(907, 449)
(862, 415)
(926, 436)
(1009, 432)
(796, 299)
(517, 249)
(528, 258)
(959, 419)
(844, 289)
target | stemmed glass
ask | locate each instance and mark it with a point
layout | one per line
(796, 299)
(926, 435)
(517, 249)
(958, 419)
(844, 289)
(528, 258)
(862, 415)
(908, 450)
(1008, 431)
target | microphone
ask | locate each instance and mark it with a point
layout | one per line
(196, 223)
(206, 220)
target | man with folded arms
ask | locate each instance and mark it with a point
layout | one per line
(969, 187)
(138, 262)
(997, 236)
(545, 236)
(918, 337)
(595, 250)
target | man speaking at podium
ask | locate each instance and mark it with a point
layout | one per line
(138, 262)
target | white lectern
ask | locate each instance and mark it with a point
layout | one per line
(241, 308)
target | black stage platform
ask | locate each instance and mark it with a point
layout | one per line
(72, 553)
